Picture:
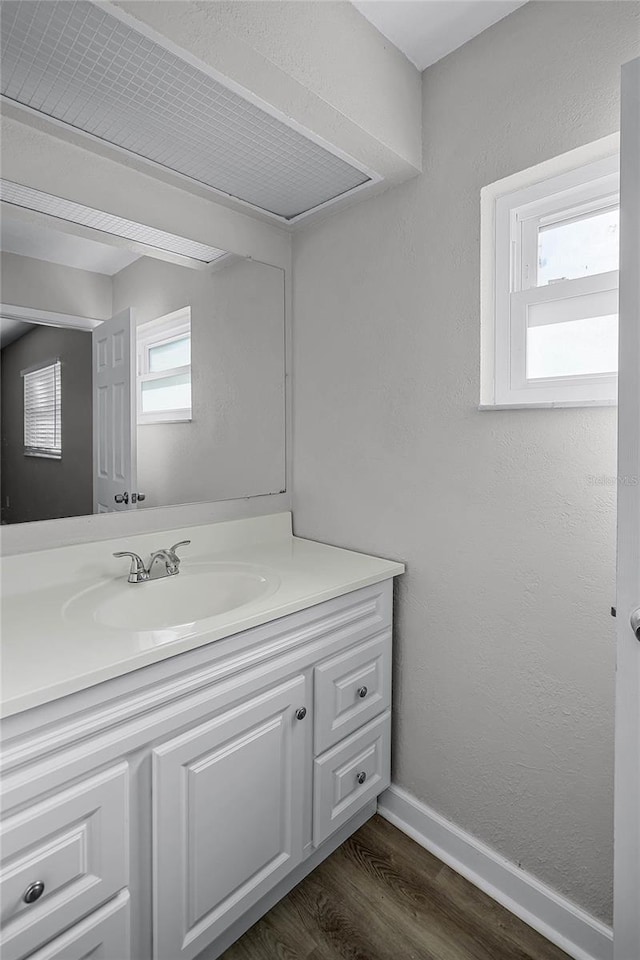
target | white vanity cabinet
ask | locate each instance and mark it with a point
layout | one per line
(165, 810)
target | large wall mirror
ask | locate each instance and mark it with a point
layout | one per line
(139, 369)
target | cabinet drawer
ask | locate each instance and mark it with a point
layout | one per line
(75, 843)
(102, 936)
(351, 689)
(350, 775)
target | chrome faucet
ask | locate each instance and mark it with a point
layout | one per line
(139, 573)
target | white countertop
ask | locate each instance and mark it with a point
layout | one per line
(46, 654)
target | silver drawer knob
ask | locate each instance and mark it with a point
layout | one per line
(301, 713)
(361, 777)
(362, 692)
(33, 892)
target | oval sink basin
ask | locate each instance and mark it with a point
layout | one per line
(199, 592)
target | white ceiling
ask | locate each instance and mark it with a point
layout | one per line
(427, 30)
(55, 246)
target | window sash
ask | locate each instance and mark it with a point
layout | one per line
(42, 391)
(163, 416)
(526, 233)
(518, 216)
(151, 347)
(595, 302)
(156, 333)
(148, 342)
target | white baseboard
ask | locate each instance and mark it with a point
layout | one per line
(556, 918)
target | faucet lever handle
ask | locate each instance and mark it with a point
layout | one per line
(128, 553)
(181, 543)
(138, 570)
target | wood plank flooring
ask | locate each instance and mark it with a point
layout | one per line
(381, 896)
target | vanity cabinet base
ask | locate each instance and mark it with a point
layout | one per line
(232, 770)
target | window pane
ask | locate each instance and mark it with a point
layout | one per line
(166, 356)
(573, 348)
(578, 248)
(42, 411)
(167, 393)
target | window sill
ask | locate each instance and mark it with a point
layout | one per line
(43, 455)
(545, 405)
(170, 418)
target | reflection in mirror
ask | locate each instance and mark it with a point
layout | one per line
(134, 378)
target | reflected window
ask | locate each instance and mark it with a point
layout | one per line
(164, 368)
(43, 411)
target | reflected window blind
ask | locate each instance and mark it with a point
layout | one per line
(42, 411)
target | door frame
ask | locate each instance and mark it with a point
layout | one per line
(626, 912)
(47, 318)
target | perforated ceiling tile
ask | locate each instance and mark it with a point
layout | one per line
(30, 199)
(79, 64)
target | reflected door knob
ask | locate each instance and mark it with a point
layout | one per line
(138, 497)
(33, 892)
(122, 497)
(635, 623)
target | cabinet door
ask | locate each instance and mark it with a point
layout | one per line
(228, 816)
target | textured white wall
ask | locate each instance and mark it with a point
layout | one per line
(504, 645)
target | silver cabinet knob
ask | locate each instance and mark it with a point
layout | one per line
(362, 692)
(33, 892)
(361, 777)
(301, 713)
(635, 623)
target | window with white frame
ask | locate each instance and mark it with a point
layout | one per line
(43, 411)
(555, 306)
(164, 368)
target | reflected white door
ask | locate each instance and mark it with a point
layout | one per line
(114, 414)
(626, 919)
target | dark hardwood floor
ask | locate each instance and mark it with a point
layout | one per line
(381, 896)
